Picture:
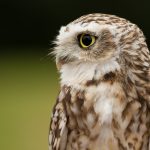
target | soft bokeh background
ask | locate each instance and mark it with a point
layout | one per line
(28, 77)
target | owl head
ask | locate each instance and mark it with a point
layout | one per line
(95, 38)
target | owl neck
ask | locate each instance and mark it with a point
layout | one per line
(83, 73)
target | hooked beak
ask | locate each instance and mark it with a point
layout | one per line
(60, 62)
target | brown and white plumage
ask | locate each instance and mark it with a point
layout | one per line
(104, 101)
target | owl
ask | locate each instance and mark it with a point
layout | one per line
(104, 98)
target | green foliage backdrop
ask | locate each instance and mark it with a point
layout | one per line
(28, 88)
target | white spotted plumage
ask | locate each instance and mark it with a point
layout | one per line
(104, 100)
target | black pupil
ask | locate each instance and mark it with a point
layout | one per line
(86, 40)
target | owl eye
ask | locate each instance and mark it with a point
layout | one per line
(86, 40)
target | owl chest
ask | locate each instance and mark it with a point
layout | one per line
(93, 101)
(90, 116)
(98, 116)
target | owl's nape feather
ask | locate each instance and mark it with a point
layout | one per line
(105, 86)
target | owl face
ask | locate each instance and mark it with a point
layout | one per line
(91, 38)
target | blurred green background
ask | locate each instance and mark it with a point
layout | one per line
(29, 85)
(29, 82)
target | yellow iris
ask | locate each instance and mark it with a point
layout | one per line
(86, 40)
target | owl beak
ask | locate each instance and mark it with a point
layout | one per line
(58, 65)
(60, 62)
